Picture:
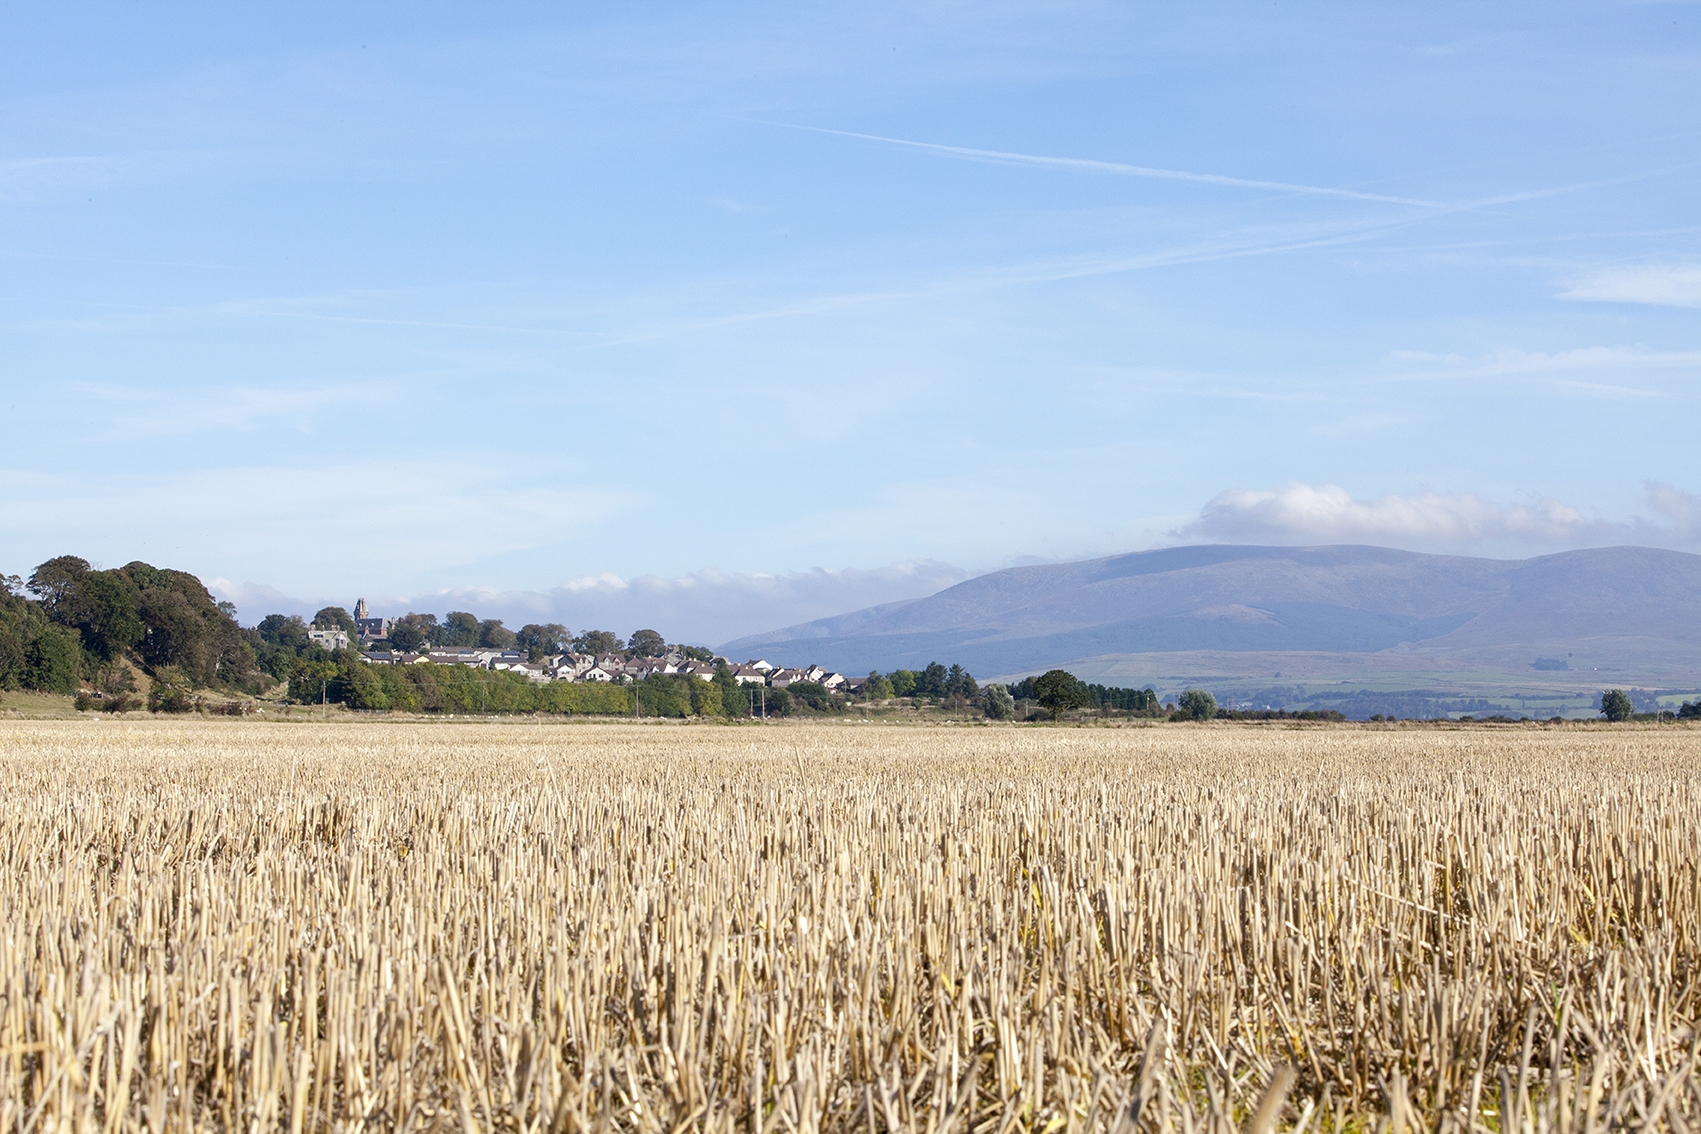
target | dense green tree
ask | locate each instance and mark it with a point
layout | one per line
(430, 633)
(1058, 691)
(734, 701)
(54, 581)
(492, 635)
(1000, 706)
(52, 660)
(186, 628)
(358, 686)
(1197, 705)
(541, 640)
(175, 633)
(668, 695)
(930, 682)
(1616, 706)
(707, 698)
(156, 616)
(815, 696)
(460, 629)
(283, 630)
(903, 683)
(102, 605)
(597, 642)
(336, 618)
(407, 637)
(310, 681)
(20, 621)
(1126, 700)
(277, 641)
(876, 688)
(646, 644)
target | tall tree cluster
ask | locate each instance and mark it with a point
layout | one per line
(72, 625)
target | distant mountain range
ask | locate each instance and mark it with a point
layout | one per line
(1238, 611)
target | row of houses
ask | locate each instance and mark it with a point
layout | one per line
(616, 668)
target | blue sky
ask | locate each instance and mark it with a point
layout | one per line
(717, 318)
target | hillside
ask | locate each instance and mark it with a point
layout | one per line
(1370, 609)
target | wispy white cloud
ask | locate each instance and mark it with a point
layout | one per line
(1433, 521)
(1669, 285)
(25, 178)
(154, 413)
(1231, 246)
(1358, 425)
(335, 309)
(1122, 169)
(1601, 369)
(1090, 165)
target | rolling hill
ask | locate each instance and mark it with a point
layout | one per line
(1241, 612)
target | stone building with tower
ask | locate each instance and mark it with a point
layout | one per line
(370, 629)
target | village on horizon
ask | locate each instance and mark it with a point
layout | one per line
(567, 665)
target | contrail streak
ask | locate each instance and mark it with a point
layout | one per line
(1115, 167)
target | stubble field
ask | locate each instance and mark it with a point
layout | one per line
(229, 925)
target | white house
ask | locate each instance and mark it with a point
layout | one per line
(470, 655)
(573, 665)
(750, 675)
(532, 671)
(640, 668)
(330, 639)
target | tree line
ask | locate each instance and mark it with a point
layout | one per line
(1616, 706)
(347, 679)
(1057, 691)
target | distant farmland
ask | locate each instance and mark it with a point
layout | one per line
(534, 927)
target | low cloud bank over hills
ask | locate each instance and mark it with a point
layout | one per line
(702, 607)
(1239, 611)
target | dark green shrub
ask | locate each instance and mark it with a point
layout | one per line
(1196, 705)
(1616, 706)
(51, 661)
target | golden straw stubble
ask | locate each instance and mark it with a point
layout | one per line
(213, 925)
